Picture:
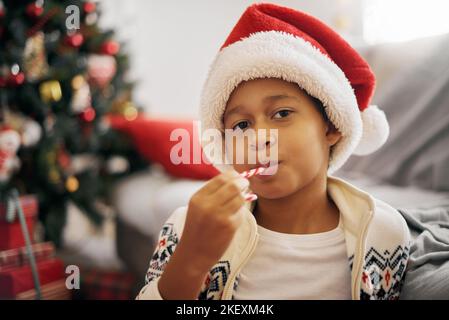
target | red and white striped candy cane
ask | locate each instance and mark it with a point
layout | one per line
(250, 197)
(248, 174)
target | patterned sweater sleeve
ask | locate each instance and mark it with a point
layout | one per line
(168, 239)
(397, 266)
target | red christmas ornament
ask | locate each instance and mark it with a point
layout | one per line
(110, 47)
(63, 158)
(89, 7)
(34, 10)
(2, 12)
(16, 79)
(74, 40)
(88, 114)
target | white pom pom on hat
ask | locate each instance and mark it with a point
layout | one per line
(375, 131)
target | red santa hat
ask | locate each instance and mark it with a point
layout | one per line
(271, 41)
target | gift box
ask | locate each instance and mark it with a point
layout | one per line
(106, 285)
(10, 259)
(42, 251)
(17, 280)
(19, 256)
(29, 204)
(11, 235)
(56, 290)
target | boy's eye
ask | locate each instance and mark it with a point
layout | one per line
(281, 114)
(242, 125)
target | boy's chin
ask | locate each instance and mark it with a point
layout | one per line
(271, 192)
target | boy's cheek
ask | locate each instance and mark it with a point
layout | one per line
(236, 151)
(303, 139)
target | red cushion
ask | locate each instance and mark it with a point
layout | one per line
(152, 139)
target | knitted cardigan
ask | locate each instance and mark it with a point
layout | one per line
(377, 242)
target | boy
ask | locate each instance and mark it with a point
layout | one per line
(309, 235)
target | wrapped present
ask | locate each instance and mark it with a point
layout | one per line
(29, 204)
(17, 280)
(56, 290)
(19, 256)
(106, 285)
(10, 259)
(42, 251)
(11, 235)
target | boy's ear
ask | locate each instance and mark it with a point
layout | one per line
(332, 134)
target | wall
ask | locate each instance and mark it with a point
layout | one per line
(172, 42)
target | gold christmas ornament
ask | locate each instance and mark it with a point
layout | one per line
(50, 91)
(72, 184)
(130, 111)
(77, 82)
(34, 57)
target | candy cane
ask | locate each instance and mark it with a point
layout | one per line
(249, 174)
(250, 197)
(252, 172)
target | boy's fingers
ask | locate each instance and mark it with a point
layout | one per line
(234, 204)
(241, 183)
(230, 190)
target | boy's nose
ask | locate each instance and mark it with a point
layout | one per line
(264, 141)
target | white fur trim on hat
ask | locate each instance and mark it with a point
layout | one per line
(282, 55)
(375, 131)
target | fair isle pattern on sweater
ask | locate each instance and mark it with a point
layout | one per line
(168, 239)
(383, 274)
(382, 277)
(213, 286)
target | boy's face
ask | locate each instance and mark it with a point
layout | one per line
(303, 137)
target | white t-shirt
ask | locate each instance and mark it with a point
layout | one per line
(296, 266)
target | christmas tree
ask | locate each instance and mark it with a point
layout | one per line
(60, 77)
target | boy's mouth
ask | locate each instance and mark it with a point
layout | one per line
(270, 168)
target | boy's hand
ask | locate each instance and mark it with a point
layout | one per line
(212, 219)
